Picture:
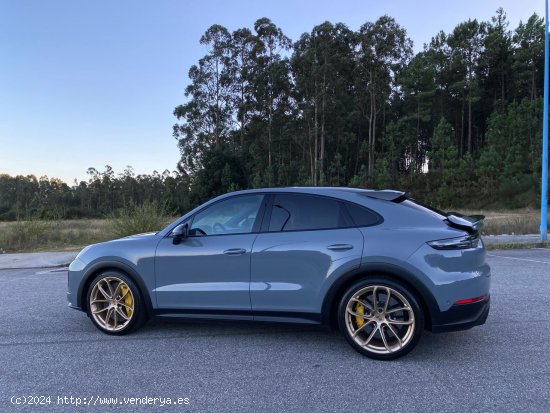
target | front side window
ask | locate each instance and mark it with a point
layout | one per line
(232, 216)
(296, 212)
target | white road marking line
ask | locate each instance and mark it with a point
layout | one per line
(519, 259)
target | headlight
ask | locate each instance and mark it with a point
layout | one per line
(459, 243)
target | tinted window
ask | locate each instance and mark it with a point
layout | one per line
(233, 216)
(411, 203)
(362, 217)
(305, 212)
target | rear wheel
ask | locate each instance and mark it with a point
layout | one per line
(114, 303)
(380, 318)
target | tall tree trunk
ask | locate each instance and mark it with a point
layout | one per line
(322, 154)
(373, 137)
(502, 87)
(270, 120)
(462, 125)
(533, 84)
(243, 117)
(469, 123)
(316, 138)
(311, 158)
(372, 120)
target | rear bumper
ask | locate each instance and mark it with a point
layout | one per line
(461, 317)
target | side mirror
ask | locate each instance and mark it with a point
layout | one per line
(180, 233)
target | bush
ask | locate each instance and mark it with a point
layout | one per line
(28, 234)
(136, 219)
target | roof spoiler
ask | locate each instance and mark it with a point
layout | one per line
(386, 194)
(471, 223)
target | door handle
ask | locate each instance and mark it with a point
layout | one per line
(234, 251)
(340, 247)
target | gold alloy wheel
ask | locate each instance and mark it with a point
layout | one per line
(112, 303)
(380, 319)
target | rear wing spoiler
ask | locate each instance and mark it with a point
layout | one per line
(471, 223)
(385, 194)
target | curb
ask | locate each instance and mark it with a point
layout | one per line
(30, 260)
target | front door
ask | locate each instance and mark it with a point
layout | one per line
(210, 270)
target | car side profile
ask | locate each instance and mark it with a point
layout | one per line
(378, 265)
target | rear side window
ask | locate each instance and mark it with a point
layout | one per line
(296, 212)
(361, 216)
(411, 203)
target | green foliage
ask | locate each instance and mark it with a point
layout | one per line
(444, 164)
(104, 192)
(39, 235)
(26, 234)
(458, 123)
(357, 108)
(137, 219)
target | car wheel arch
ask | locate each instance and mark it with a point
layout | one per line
(104, 266)
(399, 275)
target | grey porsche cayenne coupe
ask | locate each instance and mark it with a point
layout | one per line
(378, 265)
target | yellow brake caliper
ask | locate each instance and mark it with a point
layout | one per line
(127, 300)
(359, 309)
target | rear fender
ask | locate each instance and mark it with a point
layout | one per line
(399, 274)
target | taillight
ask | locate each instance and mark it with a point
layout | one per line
(459, 243)
(471, 300)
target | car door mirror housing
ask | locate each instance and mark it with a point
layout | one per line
(180, 233)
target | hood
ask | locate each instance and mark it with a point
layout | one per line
(143, 235)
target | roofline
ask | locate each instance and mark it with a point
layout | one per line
(382, 194)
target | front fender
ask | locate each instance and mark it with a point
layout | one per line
(145, 284)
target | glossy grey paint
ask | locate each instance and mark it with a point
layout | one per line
(135, 253)
(197, 274)
(291, 272)
(289, 269)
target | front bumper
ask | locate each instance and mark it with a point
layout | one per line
(461, 317)
(74, 277)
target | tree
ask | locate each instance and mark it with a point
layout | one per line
(271, 83)
(323, 66)
(241, 69)
(467, 46)
(529, 56)
(384, 49)
(207, 117)
(496, 59)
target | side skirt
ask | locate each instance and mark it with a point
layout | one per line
(243, 315)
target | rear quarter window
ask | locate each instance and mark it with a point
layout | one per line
(361, 216)
(426, 209)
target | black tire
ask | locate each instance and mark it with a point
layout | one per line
(138, 315)
(381, 344)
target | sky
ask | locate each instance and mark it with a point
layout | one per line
(94, 83)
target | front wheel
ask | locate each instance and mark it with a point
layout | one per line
(114, 303)
(380, 318)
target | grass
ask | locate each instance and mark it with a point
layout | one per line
(511, 222)
(514, 246)
(35, 235)
(146, 217)
(60, 235)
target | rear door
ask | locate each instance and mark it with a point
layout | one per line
(308, 240)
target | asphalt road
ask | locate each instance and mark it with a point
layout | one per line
(48, 349)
